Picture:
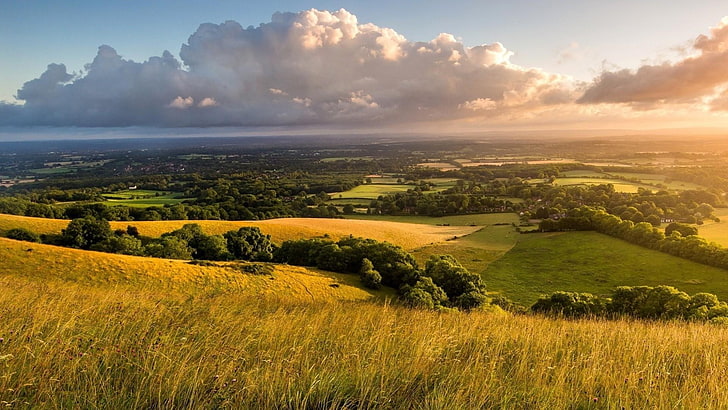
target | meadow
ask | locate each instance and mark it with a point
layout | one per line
(46, 263)
(399, 233)
(387, 186)
(716, 231)
(619, 185)
(151, 347)
(542, 263)
(140, 198)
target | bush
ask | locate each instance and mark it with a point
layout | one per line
(424, 294)
(370, 278)
(20, 234)
(456, 281)
(570, 304)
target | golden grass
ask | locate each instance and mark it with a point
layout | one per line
(50, 262)
(73, 346)
(409, 236)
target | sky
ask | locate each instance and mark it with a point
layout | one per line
(456, 65)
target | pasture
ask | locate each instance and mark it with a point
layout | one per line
(140, 198)
(619, 185)
(716, 231)
(387, 186)
(542, 263)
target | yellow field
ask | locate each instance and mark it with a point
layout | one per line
(44, 262)
(68, 345)
(716, 231)
(408, 236)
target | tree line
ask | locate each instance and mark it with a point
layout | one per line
(640, 302)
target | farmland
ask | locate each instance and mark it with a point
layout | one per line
(591, 262)
(143, 198)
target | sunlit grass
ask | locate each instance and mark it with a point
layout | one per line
(406, 235)
(73, 346)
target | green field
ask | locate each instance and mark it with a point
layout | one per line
(592, 262)
(659, 179)
(377, 188)
(619, 185)
(143, 198)
(645, 180)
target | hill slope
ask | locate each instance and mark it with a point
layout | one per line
(45, 262)
(409, 236)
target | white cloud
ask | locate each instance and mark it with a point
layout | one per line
(300, 68)
(182, 103)
(207, 102)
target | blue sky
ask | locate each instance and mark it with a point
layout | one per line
(577, 39)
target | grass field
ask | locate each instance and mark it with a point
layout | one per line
(140, 198)
(716, 231)
(592, 262)
(371, 191)
(646, 179)
(619, 185)
(403, 234)
(454, 220)
(44, 262)
(379, 187)
(146, 347)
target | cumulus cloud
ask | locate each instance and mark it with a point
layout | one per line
(312, 67)
(694, 78)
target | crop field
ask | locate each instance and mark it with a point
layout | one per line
(592, 262)
(145, 347)
(403, 234)
(45, 262)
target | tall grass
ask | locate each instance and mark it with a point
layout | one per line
(71, 345)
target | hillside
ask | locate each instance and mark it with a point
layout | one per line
(409, 236)
(138, 346)
(592, 262)
(44, 262)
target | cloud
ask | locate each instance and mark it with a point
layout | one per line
(694, 78)
(311, 67)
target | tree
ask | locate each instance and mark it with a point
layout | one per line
(170, 247)
(249, 243)
(683, 229)
(370, 277)
(212, 248)
(85, 232)
(348, 209)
